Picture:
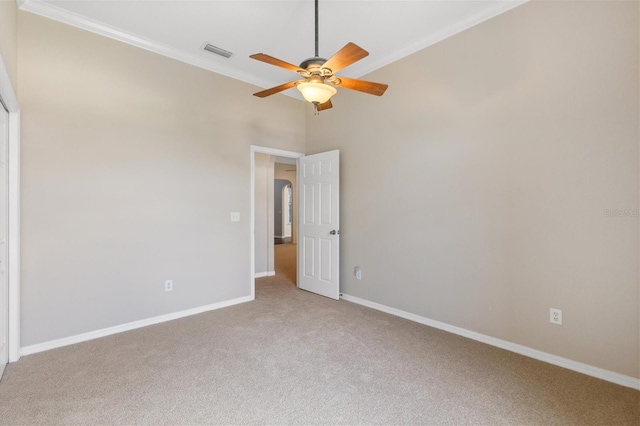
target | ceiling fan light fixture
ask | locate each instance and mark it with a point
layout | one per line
(316, 92)
(319, 79)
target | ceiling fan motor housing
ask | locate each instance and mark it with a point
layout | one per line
(315, 61)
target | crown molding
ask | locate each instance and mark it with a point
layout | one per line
(442, 34)
(50, 11)
(66, 17)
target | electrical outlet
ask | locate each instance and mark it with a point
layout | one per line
(235, 216)
(555, 316)
(357, 272)
(168, 285)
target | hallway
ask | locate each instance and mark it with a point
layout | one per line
(285, 261)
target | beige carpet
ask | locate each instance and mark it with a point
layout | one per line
(292, 357)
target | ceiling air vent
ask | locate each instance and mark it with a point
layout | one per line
(218, 51)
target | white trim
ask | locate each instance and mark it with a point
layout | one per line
(49, 10)
(264, 274)
(269, 151)
(72, 340)
(14, 236)
(358, 70)
(589, 370)
(11, 101)
(271, 178)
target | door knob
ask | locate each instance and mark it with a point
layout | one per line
(334, 232)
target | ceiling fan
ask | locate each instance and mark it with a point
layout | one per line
(318, 83)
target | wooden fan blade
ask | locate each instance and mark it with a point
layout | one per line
(275, 61)
(325, 105)
(346, 56)
(275, 90)
(363, 86)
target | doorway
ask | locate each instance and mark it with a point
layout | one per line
(318, 259)
(10, 310)
(283, 210)
(284, 252)
(268, 166)
(285, 218)
(4, 231)
(287, 212)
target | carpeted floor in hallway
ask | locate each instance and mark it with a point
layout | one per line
(291, 357)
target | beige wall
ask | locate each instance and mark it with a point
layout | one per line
(131, 165)
(282, 173)
(264, 215)
(8, 37)
(474, 192)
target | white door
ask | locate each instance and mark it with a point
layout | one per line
(319, 228)
(4, 225)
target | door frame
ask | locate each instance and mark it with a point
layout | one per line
(255, 149)
(13, 162)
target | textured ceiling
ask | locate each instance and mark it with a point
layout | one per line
(389, 30)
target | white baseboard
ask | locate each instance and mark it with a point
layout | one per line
(265, 274)
(71, 340)
(589, 370)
